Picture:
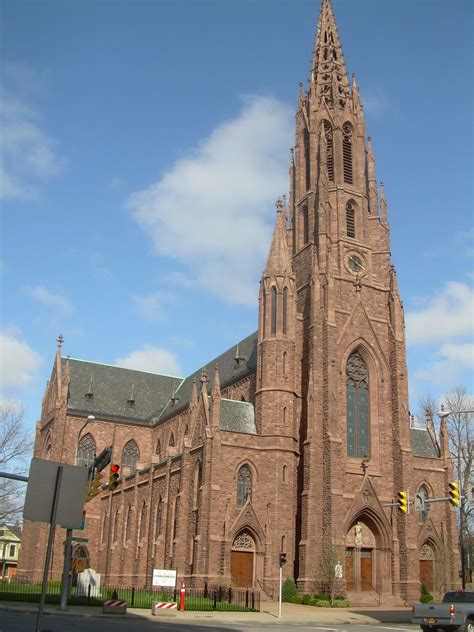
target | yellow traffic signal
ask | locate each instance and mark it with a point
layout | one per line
(93, 487)
(454, 494)
(403, 502)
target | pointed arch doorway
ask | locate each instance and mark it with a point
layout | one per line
(427, 563)
(242, 560)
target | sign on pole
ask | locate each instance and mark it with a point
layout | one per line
(40, 493)
(164, 578)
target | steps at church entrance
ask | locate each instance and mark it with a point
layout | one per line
(372, 599)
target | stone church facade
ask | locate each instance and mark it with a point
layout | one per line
(294, 440)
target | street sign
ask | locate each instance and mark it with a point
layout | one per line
(164, 577)
(80, 539)
(41, 490)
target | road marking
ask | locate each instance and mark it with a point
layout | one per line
(382, 627)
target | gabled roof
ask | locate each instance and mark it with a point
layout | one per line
(115, 392)
(422, 444)
(10, 529)
(231, 369)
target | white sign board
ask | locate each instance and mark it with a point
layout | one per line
(164, 577)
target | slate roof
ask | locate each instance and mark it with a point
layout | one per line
(237, 416)
(422, 444)
(229, 371)
(112, 386)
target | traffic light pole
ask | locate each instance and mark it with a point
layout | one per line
(280, 590)
(461, 544)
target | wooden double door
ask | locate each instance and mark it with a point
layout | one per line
(241, 568)
(359, 569)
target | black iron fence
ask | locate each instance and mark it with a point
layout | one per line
(218, 598)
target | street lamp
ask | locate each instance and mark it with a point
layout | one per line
(443, 414)
(89, 420)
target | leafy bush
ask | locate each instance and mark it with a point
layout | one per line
(296, 599)
(306, 600)
(341, 603)
(289, 590)
(321, 603)
(425, 596)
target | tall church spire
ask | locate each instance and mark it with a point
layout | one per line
(328, 72)
(279, 260)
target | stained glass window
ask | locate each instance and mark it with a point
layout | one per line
(274, 310)
(357, 404)
(244, 485)
(130, 455)
(86, 450)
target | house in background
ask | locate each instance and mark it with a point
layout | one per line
(10, 544)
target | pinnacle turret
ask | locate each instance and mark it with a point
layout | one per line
(279, 259)
(328, 72)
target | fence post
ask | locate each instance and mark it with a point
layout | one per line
(215, 599)
(206, 594)
(230, 595)
(89, 594)
(253, 600)
(247, 598)
(133, 595)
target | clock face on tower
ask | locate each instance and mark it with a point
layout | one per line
(355, 263)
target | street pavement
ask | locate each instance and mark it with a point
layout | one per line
(19, 617)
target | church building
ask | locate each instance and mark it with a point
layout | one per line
(298, 438)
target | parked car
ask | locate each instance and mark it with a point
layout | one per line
(454, 614)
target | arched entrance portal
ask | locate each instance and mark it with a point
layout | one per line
(242, 560)
(80, 561)
(427, 561)
(361, 558)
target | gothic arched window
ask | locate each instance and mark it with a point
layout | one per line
(330, 152)
(273, 310)
(421, 507)
(285, 310)
(350, 219)
(115, 526)
(158, 448)
(86, 450)
(171, 442)
(159, 517)
(357, 399)
(347, 152)
(175, 517)
(307, 159)
(128, 525)
(244, 485)
(142, 530)
(305, 225)
(130, 455)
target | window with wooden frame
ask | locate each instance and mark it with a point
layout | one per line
(347, 139)
(350, 219)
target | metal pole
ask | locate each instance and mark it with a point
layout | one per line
(52, 529)
(461, 544)
(280, 592)
(15, 477)
(66, 570)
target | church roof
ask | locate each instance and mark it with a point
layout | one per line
(115, 392)
(138, 396)
(234, 364)
(422, 444)
(238, 416)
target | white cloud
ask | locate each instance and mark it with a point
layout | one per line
(214, 209)
(151, 305)
(152, 359)
(446, 316)
(449, 365)
(28, 153)
(44, 296)
(18, 361)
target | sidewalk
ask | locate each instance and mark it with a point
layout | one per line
(294, 613)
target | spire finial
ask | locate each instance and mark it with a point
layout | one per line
(328, 72)
(60, 341)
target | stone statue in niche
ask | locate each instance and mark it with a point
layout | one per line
(358, 534)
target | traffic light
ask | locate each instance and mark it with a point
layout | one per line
(454, 498)
(282, 559)
(114, 476)
(403, 502)
(93, 487)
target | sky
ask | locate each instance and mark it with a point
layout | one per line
(143, 145)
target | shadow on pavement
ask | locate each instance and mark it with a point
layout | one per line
(386, 616)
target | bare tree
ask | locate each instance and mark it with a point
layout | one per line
(461, 444)
(16, 445)
(328, 576)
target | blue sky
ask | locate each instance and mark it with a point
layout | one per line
(143, 146)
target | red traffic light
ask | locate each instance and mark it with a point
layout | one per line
(114, 468)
